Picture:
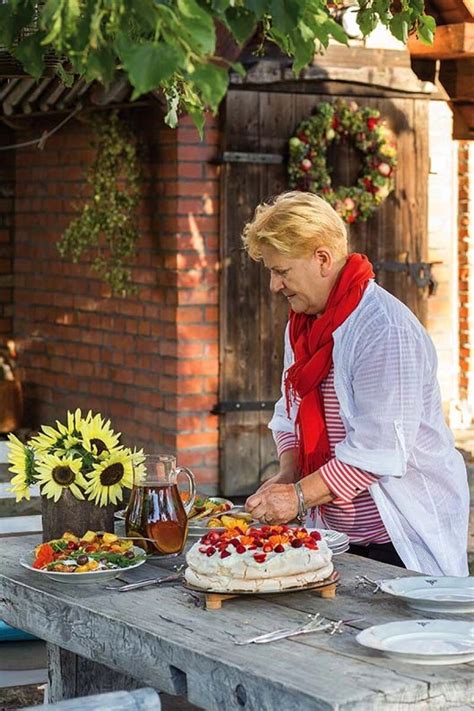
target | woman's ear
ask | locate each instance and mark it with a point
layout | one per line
(325, 261)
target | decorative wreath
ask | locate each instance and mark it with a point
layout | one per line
(343, 120)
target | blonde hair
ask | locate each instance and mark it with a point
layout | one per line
(295, 224)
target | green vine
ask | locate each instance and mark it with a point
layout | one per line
(106, 225)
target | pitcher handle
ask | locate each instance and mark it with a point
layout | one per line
(188, 505)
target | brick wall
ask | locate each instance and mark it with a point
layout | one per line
(7, 187)
(442, 321)
(148, 362)
(466, 275)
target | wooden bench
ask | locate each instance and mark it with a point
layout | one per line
(140, 700)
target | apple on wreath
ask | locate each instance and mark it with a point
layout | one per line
(384, 169)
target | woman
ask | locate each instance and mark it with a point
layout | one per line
(360, 431)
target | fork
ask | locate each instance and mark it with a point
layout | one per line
(316, 624)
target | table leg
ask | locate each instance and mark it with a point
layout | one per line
(71, 675)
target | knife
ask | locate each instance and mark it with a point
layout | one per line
(146, 583)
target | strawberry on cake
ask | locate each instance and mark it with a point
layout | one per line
(266, 559)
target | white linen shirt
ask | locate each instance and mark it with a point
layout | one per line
(385, 380)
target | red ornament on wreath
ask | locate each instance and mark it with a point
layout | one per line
(308, 169)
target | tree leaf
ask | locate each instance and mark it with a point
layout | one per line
(149, 64)
(201, 25)
(13, 20)
(303, 52)
(382, 8)
(101, 65)
(426, 29)
(239, 68)
(212, 82)
(285, 14)
(145, 11)
(197, 115)
(30, 53)
(366, 20)
(399, 26)
(241, 23)
(335, 29)
(173, 98)
(428, 21)
(66, 78)
(258, 7)
(7, 25)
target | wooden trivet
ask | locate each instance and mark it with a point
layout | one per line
(324, 588)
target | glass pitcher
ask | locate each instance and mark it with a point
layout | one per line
(156, 512)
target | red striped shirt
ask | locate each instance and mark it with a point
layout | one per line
(353, 511)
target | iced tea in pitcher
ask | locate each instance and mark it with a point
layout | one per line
(156, 513)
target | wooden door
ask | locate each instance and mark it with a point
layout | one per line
(252, 319)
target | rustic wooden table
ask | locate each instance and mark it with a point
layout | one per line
(100, 640)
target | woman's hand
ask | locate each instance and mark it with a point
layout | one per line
(273, 503)
(279, 478)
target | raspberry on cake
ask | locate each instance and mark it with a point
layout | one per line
(265, 559)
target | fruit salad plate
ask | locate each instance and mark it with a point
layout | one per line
(93, 556)
(93, 576)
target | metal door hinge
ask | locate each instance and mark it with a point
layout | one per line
(246, 157)
(239, 406)
(420, 272)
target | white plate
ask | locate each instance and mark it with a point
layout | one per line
(433, 594)
(94, 576)
(422, 641)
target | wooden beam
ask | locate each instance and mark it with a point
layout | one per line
(450, 42)
(463, 122)
(457, 77)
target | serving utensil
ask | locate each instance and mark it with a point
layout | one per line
(315, 624)
(174, 577)
(363, 581)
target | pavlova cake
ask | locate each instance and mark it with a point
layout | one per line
(265, 559)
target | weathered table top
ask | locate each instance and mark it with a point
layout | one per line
(160, 636)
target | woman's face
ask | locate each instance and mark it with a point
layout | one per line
(306, 282)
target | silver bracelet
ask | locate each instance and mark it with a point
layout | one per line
(302, 508)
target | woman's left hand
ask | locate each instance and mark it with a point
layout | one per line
(276, 503)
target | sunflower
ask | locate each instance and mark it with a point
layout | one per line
(56, 473)
(21, 459)
(98, 436)
(75, 420)
(47, 440)
(109, 477)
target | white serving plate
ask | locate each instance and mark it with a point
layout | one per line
(433, 594)
(429, 642)
(93, 576)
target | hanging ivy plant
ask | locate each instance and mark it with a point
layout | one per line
(107, 224)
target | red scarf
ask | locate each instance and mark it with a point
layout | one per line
(312, 343)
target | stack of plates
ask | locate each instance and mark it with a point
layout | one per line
(337, 542)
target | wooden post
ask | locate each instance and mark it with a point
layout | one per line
(71, 675)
